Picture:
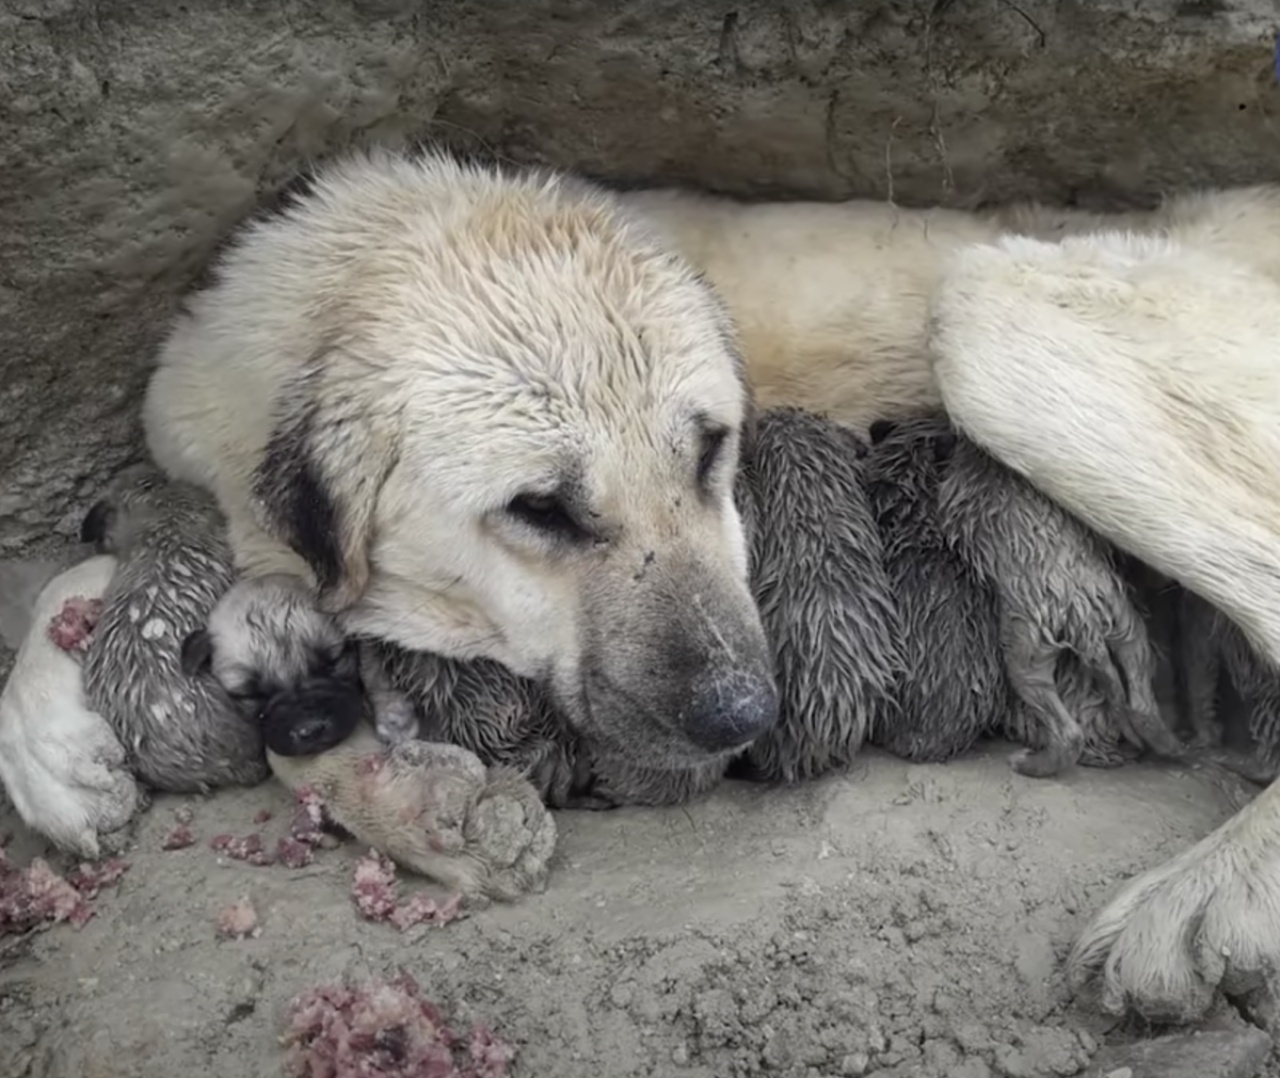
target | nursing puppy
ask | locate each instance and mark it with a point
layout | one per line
(825, 598)
(491, 417)
(1133, 380)
(1061, 602)
(62, 766)
(951, 690)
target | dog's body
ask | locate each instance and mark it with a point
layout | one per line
(1062, 603)
(62, 766)
(394, 361)
(182, 733)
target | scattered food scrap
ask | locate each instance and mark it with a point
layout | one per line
(238, 921)
(179, 838)
(383, 1028)
(262, 816)
(36, 895)
(72, 627)
(247, 848)
(374, 890)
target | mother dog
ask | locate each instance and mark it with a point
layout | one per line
(493, 417)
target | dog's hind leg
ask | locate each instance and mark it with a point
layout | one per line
(1134, 382)
(1029, 666)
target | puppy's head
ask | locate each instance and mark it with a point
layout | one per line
(137, 497)
(907, 457)
(520, 444)
(286, 665)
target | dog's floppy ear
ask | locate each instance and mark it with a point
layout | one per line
(318, 482)
(197, 652)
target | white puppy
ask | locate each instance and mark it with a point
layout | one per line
(1136, 381)
(61, 765)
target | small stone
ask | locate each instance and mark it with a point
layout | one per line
(680, 1055)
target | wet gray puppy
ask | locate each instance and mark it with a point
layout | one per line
(826, 601)
(1061, 601)
(952, 689)
(174, 617)
(1219, 663)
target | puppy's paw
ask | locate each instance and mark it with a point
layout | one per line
(1208, 919)
(395, 717)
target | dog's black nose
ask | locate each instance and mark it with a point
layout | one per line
(732, 710)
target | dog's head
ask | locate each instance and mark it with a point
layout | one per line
(287, 666)
(519, 442)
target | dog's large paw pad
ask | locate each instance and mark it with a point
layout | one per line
(1209, 919)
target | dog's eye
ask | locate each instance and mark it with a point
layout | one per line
(545, 513)
(712, 444)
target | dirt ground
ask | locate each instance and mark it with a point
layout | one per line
(898, 920)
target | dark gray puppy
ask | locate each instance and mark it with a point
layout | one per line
(1219, 662)
(1061, 602)
(952, 689)
(172, 605)
(818, 576)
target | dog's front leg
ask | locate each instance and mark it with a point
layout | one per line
(1208, 919)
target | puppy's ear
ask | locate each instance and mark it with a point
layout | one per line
(197, 652)
(318, 483)
(880, 430)
(97, 523)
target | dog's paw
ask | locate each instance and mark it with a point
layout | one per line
(1207, 920)
(512, 832)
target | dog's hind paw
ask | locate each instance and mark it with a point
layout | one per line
(1207, 920)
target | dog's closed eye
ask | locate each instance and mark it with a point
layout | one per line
(712, 445)
(548, 514)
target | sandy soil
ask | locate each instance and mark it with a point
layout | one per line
(899, 920)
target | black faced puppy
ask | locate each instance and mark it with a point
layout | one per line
(1063, 608)
(286, 667)
(952, 689)
(826, 601)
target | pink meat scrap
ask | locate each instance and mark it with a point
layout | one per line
(238, 921)
(36, 896)
(72, 627)
(248, 848)
(384, 1029)
(374, 890)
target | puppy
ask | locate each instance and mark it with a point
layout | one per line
(286, 668)
(182, 733)
(951, 689)
(63, 767)
(825, 598)
(1060, 600)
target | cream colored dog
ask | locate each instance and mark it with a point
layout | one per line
(491, 416)
(1130, 368)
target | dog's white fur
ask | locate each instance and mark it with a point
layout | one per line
(1168, 435)
(62, 766)
(1136, 381)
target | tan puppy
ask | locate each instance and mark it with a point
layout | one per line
(491, 417)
